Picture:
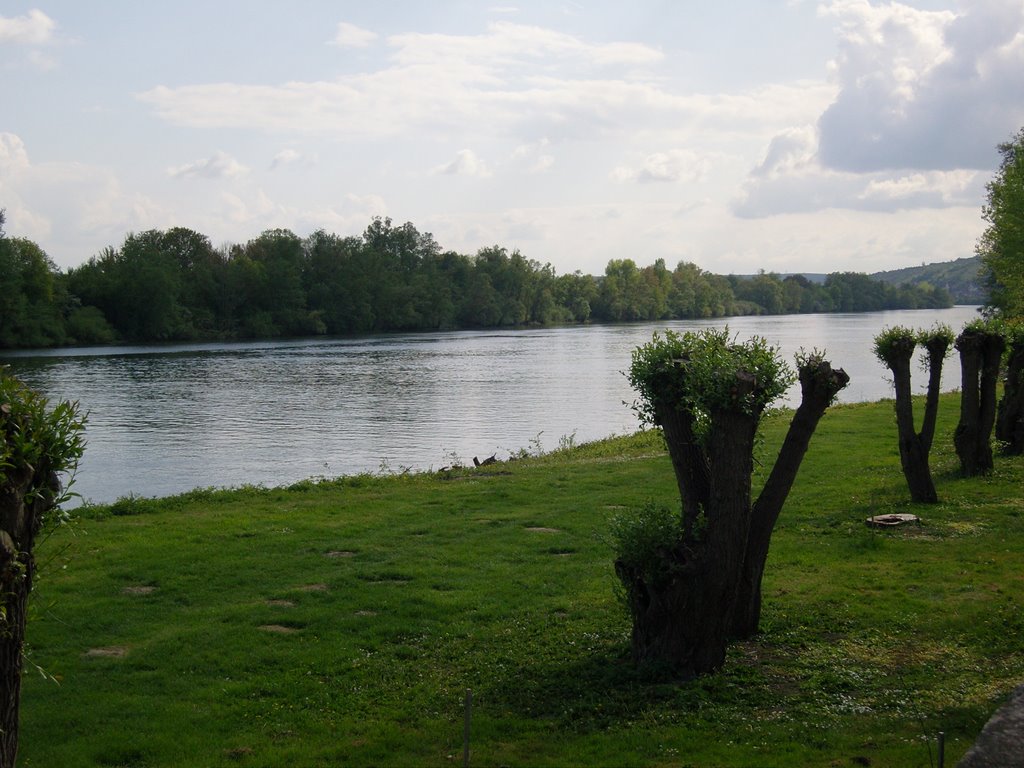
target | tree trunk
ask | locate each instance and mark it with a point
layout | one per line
(936, 347)
(819, 385)
(689, 461)
(17, 532)
(1010, 421)
(965, 438)
(685, 622)
(913, 452)
(980, 356)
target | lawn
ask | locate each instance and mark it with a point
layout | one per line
(341, 621)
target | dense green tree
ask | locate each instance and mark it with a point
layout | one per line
(338, 283)
(148, 281)
(620, 292)
(174, 284)
(205, 309)
(31, 296)
(576, 294)
(765, 291)
(275, 300)
(1001, 246)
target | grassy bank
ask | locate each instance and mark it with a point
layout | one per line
(340, 622)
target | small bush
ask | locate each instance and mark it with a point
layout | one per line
(642, 539)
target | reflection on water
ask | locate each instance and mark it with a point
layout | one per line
(165, 419)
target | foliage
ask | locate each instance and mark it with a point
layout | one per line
(36, 439)
(641, 539)
(899, 342)
(697, 371)
(174, 285)
(1001, 246)
(273, 653)
(36, 447)
(895, 342)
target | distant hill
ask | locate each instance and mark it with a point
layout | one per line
(959, 277)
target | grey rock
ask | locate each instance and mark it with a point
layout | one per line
(1001, 742)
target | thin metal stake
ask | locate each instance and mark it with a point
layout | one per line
(465, 731)
(942, 748)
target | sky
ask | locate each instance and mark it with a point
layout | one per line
(740, 135)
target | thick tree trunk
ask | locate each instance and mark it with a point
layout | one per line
(685, 622)
(1010, 420)
(819, 385)
(913, 447)
(18, 527)
(965, 437)
(980, 356)
(693, 475)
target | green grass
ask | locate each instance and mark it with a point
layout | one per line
(340, 622)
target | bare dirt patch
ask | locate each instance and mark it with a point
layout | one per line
(140, 589)
(108, 652)
(314, 588)
(278, 629)
(340, 553)
(542, 529)
(281, 603)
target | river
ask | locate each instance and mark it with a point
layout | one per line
(163, 419)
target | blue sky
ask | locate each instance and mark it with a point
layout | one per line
(738, 135)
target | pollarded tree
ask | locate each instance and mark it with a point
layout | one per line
(36, 448)
(1010, 415)
(692, 579)
(895, 347)
(980, 345)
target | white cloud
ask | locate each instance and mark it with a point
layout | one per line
(793, 150)
(34, 28)
(813, 188)
(924, 89)
(288, 157)
(466, 163)
(13, 156)
(534, 156)
(218, 166)
(248, 212)
(62, 205)
(923, 97)
(511, 75)
(351, 36)
(672, 166)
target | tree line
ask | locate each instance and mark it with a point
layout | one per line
(174, 285)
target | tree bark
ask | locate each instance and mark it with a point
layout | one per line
(689, 461)
(1010, 419)
(966, 435)
(19, 524)
(936, 348)
(686, 621)
(980, 356)
(819, 385)
(913, 447)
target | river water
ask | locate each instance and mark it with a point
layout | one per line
(166, 419)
